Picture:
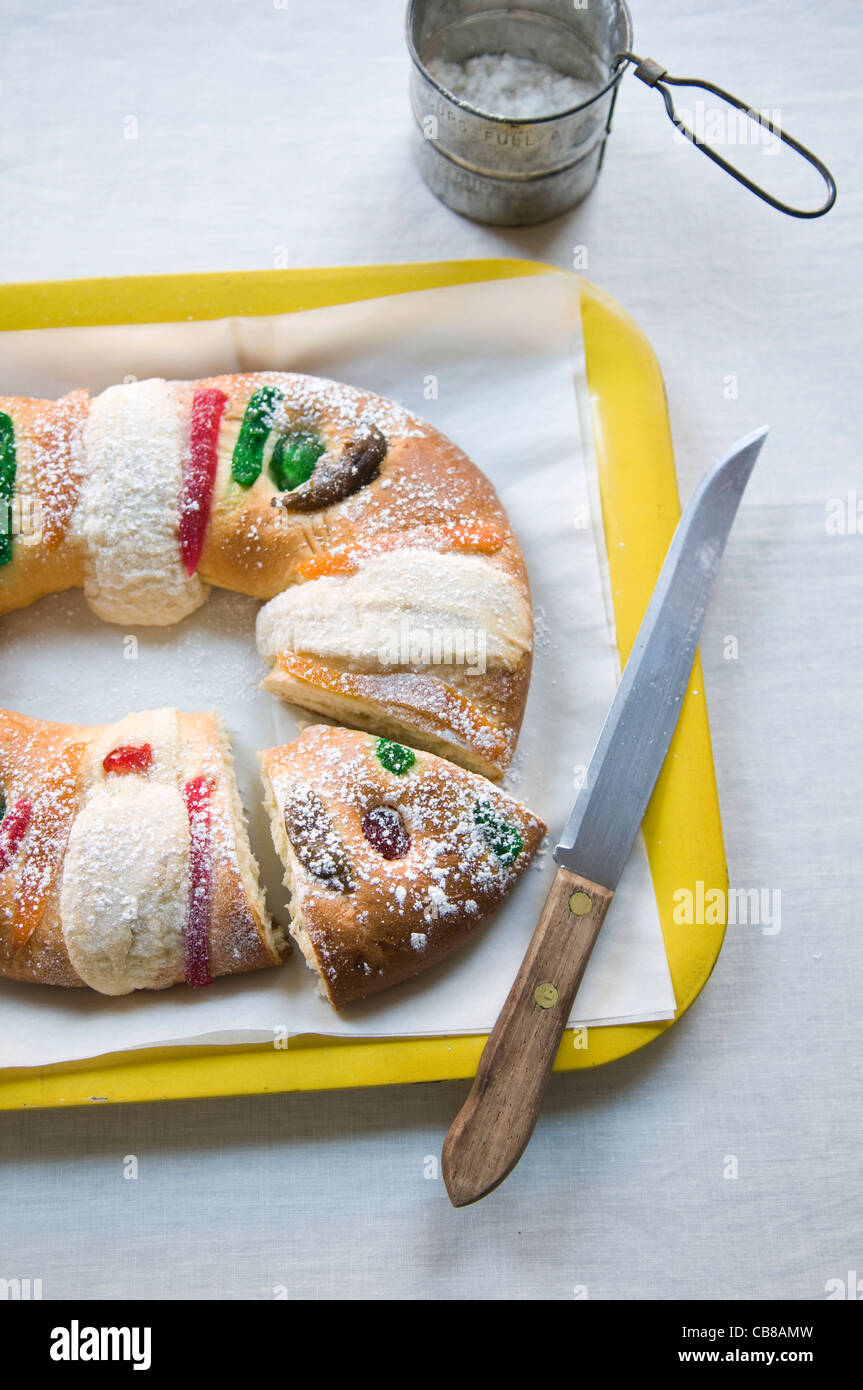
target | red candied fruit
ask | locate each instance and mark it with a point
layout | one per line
(129, 758)
(200, 474)
(385, 831)
(16, 823)
(197, 795)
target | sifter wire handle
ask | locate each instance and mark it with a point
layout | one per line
(655, 75)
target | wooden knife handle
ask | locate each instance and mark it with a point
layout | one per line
(491, 1131)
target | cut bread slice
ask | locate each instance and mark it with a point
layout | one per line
(124, 858)
(393, 856)
(432, 648)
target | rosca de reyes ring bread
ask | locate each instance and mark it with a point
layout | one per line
(124, 858)
(393, 857)
(397, 597)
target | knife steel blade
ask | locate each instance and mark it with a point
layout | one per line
(634, 740)
(493, 1127)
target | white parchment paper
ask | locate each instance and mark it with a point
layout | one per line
(497, 366)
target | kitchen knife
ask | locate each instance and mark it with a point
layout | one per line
(493, 1127)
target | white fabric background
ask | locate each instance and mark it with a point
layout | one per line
(267, 134)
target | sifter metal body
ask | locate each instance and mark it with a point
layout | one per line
(507, 172)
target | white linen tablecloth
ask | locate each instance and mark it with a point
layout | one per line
(724, 1160)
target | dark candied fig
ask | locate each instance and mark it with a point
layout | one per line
(315, 841)
(337, 476)
(385, 831)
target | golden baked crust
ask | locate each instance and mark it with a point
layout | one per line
(365, 921)
(425, 495)
(425, 480)
(35, 756)
(47, 765)
(45, 559)
(478, 730)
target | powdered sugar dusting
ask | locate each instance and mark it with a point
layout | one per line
(126, 886)
(91, 826)
(388, 613)
(135, 441)
(449, 876)
(317, 403)
(58, 462)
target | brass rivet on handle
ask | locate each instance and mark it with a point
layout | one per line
(580, 903)
(545, 995)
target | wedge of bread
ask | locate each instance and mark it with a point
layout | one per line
(124, 858)
(393, 856)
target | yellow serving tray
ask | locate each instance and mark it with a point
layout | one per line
(640, 508)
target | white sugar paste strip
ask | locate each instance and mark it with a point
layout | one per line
(387, 615)
(126, 886)
(128, 513)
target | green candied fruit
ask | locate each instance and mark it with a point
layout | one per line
(503, 839)
(248, 458)
(2, 806)
(394, 756)
(7, 485)
(294, 459)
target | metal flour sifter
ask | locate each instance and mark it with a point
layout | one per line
(510, 170)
